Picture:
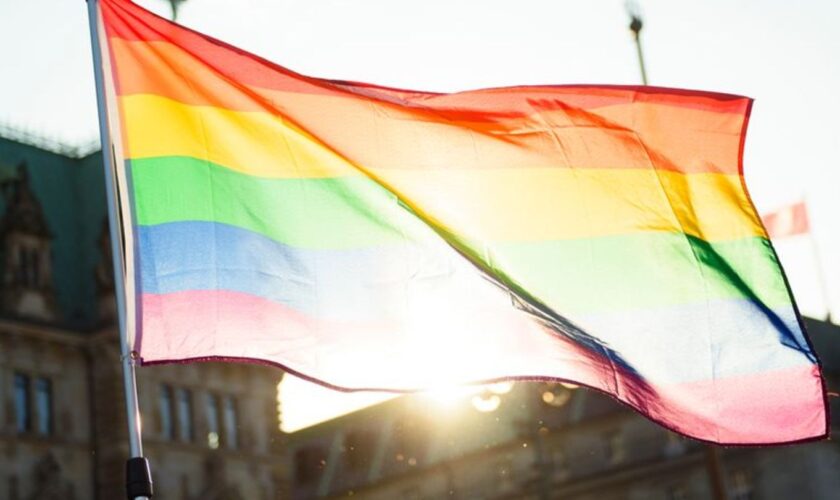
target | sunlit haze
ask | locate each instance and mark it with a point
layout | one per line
(781, 53)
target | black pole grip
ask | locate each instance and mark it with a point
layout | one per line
(138, 478)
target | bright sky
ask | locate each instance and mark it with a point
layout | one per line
(782, 53)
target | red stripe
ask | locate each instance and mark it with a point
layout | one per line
(127, 21)
(576, 126)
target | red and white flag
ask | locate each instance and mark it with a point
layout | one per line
(787, 221)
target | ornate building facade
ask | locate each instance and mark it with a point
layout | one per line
(210, 429)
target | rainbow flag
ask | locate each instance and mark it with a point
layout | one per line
(383, 239)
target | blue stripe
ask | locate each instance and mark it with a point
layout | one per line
(687, 342)
(346, 284)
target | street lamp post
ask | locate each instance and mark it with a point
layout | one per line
(636, 27)
(174, 4)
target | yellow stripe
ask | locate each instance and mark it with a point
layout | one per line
(254, 143)
(270, 145)
(517, 204)
(549, 204)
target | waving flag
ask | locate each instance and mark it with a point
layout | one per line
(374, 238)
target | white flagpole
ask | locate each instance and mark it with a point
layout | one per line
(822, 279)
(138, 477)
(826, 298)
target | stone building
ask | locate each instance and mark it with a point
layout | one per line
(210, 429)
(549, 441)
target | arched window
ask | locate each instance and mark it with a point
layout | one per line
(28, 272)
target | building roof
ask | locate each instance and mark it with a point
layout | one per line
(71, 193)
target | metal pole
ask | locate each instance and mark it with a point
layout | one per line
(821, 277)
(714, 468)
(174, 4)
(137, 466)
(641, 59)
(636, 28)
(636, 24)
(815, 248)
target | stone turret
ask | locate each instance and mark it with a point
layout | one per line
(26, 252)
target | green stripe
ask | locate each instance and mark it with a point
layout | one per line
(642, 270)
(594, 274)
(348, 212)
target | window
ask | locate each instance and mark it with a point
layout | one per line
(14, 493)
(43, 406)
(167, 427)
(676, 492)
(408, 442)
(229, 409)
(185, 487)
(212, 411)
(34, 268)
(42, 418)
(360, 447)
(674, 445)
(28, 272)
(23, 417)
(410, 493)
(616, 451)
(741, 485)
(559, 463)
(309, 463)
(185, 414)
(504, 471)
(23, 257)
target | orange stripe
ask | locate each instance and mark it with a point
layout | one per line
(555, 133)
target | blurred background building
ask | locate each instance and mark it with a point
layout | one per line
(550, 441)
(211, 430)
